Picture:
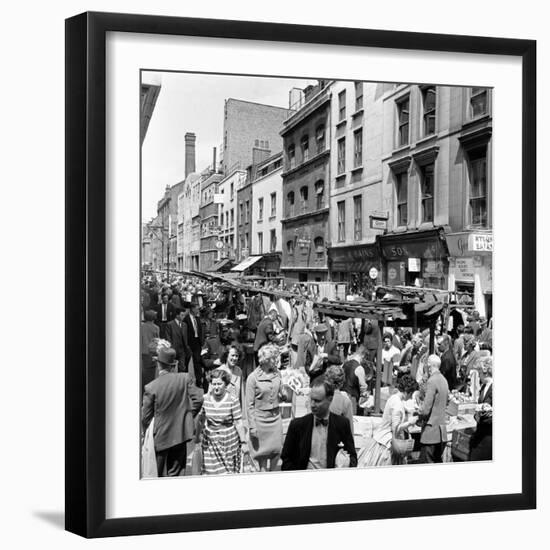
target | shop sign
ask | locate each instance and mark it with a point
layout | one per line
(380, 215)
(303, 242)
(414, 264)
(419, 249)
(376, 223)
(354, 259)
(480, 242)
(464, 269)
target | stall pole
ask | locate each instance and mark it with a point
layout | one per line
(378, 383)
(432, 337)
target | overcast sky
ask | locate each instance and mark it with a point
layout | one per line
(194, 103)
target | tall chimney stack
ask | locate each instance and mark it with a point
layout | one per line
(190, 139)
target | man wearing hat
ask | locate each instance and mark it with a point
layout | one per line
(171, 399)
(326, 352)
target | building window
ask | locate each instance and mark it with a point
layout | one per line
(427, 192)
(358, 96)
(402, 200)
(290, 203)
(260, 243)
(358, 148)
(478, 187)
(305, 148)
(341, 221)
(273, 241)
(273, 204)
(246, 240)
(342, 106)
(320, 139)
(320, 194)
(319, 245)
(291, 157)
(241, 213)
(478, 102)
(260, 209)
(357, 218)
(232, 217)
(341, 156)
(428, 103)
(290, 247)
(303, 199)
(247, 211)
(403, 121)
(232, 191)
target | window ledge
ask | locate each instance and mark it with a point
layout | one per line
(260, 220)
(401, 148)
(426, 139)
(357, 169)
(271, 218)
(341, 124)
(358, 112)
(340, 176)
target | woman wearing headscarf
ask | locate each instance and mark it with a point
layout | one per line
(263, 387)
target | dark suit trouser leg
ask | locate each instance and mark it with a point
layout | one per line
(432, 453)
(163, 328)
(171, 462)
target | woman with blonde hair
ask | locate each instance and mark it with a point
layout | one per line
(265, 425)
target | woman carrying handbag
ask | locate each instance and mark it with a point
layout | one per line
(391, 443)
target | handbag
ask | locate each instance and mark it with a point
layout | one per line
(402, 447)
(148, 455)
(196, 460)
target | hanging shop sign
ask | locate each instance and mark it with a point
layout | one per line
(480, 242)
(373, 273)
(414, 264)
(464, 269)
(376, 223)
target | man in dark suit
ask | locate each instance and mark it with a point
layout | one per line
(166, 312)
(171, 399)
(313, 441)
(176, 334)
(326, 352)
(433, 437)
(448, 361)
(482, 441)
(370, 336)
(149, 331)
(195, 340)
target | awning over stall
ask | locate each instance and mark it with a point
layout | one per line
(245, 264)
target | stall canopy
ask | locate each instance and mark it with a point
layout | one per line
(222, 265)
(245, 264)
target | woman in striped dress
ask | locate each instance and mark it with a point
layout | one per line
(220, 424)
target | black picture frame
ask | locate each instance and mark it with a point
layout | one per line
(86, 278)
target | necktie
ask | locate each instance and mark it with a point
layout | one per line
(164, 312)
(194, 326)
(321, 421)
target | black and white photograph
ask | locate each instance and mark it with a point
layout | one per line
(316, 286)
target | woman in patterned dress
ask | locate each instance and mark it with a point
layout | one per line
(220, 424)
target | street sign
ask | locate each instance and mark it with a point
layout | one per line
(373, 273)
(219, 245)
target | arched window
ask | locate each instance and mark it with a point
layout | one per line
(320, 193)
(291, 156)
(319, 245)
(290, 247)
(320, 139)
(290, 204)
(305, 148)
(304, 193)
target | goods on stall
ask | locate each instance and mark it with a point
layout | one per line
(461, 444)
(460, 403)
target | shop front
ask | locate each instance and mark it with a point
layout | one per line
(471, 269)
(416, 259)
(359, 266)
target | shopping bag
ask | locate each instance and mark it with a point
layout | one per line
(148, 456)
(248, 464)
(196, 460)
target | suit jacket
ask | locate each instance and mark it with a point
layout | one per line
(306, 350)
(297, 446)
(194, 342)
(433, 410)
(264, 334)
(170, 312)
(149, 331)
(371, 335)
(448, 368)
(171, 399)
(177, 336)
(485, 422)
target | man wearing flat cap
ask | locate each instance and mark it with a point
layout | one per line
(171, 399)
